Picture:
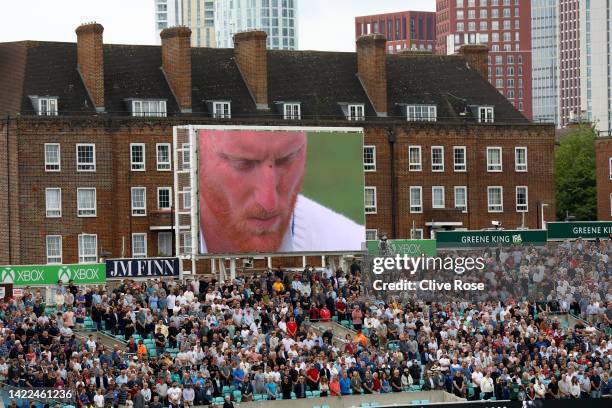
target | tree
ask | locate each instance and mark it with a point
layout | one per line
(575, 175)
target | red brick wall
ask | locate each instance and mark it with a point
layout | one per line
(252, 59)
(90, 56)
(476, 56)
(176, 61)
(372, 69)
(603, 155)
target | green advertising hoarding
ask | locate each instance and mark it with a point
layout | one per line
(489, 239)
(559, 231)
(410, 247)
(28, 275)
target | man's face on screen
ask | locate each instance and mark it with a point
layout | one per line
(249, 183)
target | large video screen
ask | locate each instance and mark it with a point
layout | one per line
(276, 190)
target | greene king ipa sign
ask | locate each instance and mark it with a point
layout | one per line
(488, 239)
(25, 275)
(558, 231)
(409, 247)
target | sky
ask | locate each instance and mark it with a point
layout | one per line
(326, 25)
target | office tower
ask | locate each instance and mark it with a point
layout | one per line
(167, 14)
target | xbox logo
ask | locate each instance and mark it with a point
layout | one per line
(64, 274)
(8, 275)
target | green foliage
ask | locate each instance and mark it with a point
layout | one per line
(575, 175)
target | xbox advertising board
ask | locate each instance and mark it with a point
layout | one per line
(30, 275)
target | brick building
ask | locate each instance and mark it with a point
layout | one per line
(86, 132)
(603, 174)
(406, 30)
(502, 25)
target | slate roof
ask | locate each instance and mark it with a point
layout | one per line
(318, 80)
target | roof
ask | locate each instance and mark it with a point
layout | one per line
(320, 81)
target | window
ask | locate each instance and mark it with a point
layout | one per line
(499, 83)
(137, 156)
(371, 235)
(483, 13)
(356, 112)
(416, 233)
(88, 248)
(164, 244)
(521, 199)
(610, 203)
(370, 200)
(485, 114)
(416, 199)
(471, 14)
(459, 159)
(494, 159)
(437, 158)
(54, 249)
(47, 106)
(186, 153)
(222, 110)
(86, 202)
(417, 113)
(164, 198)
(139, 245)
(610, 160)
(163, 157)
(292, 111)
(437, 197)
(459, 3)
(86, 157)
(185, 242)
(461, 198)
(414, 158)
(52, 157)
(53, 202)
(186, 194)
(520, 158)
(149, 108)
(460, 15)
(460, 27)
(494, 199)
(139, 201)
(369, 158)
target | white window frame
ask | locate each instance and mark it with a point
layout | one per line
(163, 165)
(494, 167)
(186, 156)
(610, 163)
(292, 111)
(219, 110)
(421, 113)
(371, 231)
(433, 197)
(459, 167)
(415, 208)
(501, 205)
(463, 208)
(370, 209)
(91, 211)
(186, 198)
(143, 108)
(520, 167)
(81, 166)
(355, 112)
(50, 110)
(486, 114)
(524, 207)
(159, 207)
(53, 259)
(372, 165)
(416, 233)
(140, 254)
(85, 258)
(137, 165)
(434, 167)
(138, 211)
(50, 166)
(415, 166)
(184, 237)
(611, 204)
(53, 212)
(159, 236)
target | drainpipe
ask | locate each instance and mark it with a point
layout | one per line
(8, 192)
(392, 139)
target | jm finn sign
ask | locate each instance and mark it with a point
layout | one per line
(142, 268)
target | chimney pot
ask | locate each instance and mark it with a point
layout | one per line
(90, 61)
(176, 63)
(476, 56)
(372, 69)
(251, 57)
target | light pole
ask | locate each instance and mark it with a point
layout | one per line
(542, 205)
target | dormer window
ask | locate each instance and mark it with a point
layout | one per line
(356, 112)
(292, 111)
(47, 106)
(222, 109)
(146, 107)
(485, 114)
(421, 113)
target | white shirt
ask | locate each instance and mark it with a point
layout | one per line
(99, 400)
(174, 394)
(314, 228)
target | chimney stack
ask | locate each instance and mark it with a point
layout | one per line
(372, 69)
(252, 58)
(90, 61)
(476, 56)
(176, 63)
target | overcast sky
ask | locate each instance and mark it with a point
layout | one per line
(323, 24)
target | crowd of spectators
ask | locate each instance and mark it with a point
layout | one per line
(194, 342)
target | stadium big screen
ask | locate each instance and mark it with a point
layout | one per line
(280, 190)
